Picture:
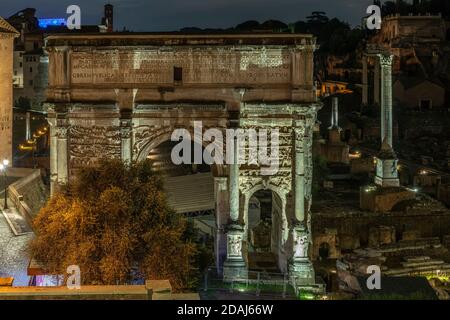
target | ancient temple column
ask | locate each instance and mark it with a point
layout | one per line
(62, 154)
(334, 112)
(386, 172)
(386, 98)
(376, 83)
(299, 182)
(27, 126)
(365, 84)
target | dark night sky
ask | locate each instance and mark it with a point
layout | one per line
(169, 15)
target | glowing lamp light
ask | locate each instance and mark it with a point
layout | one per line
(423, 172)
(307, 296)
(6, 162)
(2, 167)
(355, 155)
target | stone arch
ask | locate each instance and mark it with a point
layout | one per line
(279, 241)
(164, 135)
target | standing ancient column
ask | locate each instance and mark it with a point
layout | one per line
(376, 83)
(365, 85)
(386, 98)
(299, 180)
(386, 172)
(27, 126)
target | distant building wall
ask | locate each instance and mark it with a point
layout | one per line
(416, 96)
(6, 92)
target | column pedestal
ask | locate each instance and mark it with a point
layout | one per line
(234, 267)
(386, 171)
(301, 270)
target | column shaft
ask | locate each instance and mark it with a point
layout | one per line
(376, 83)
(365, 85)
(234, 183)
(62, 155)
(386, 99)
(299, 184)
(53, 159)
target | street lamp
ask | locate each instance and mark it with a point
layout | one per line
(3, 167)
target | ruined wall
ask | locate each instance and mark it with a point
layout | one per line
(357, 226)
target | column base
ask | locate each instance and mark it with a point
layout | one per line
(301, 272)
(387, 182)
(234, 270)
(234, 267)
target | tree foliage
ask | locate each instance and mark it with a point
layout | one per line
(113, 222)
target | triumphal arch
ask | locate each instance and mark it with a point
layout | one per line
(122, 95)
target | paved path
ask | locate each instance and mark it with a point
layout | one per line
(13, 256)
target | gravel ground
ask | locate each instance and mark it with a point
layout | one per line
(13, 257)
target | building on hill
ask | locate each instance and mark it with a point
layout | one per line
(420, 94)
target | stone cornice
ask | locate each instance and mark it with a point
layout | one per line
(180, 39)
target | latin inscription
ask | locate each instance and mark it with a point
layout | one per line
(153, 67)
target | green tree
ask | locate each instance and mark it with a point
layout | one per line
(113, 221)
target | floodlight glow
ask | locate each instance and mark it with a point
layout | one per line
(45, 23)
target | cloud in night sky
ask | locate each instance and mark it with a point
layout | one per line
(169, 15)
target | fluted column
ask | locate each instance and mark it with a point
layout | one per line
(299, 180)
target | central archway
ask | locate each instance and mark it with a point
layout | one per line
(266, 229)
(189, 186)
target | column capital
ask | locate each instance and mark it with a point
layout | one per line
(386, 60)
(61, 132)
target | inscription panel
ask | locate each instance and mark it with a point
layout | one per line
(199, 66)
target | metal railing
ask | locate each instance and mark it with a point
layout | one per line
(257, 283)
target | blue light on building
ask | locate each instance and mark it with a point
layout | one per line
(44, 23)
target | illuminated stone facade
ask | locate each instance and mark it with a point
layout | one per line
(120, 96)
(7, 35)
